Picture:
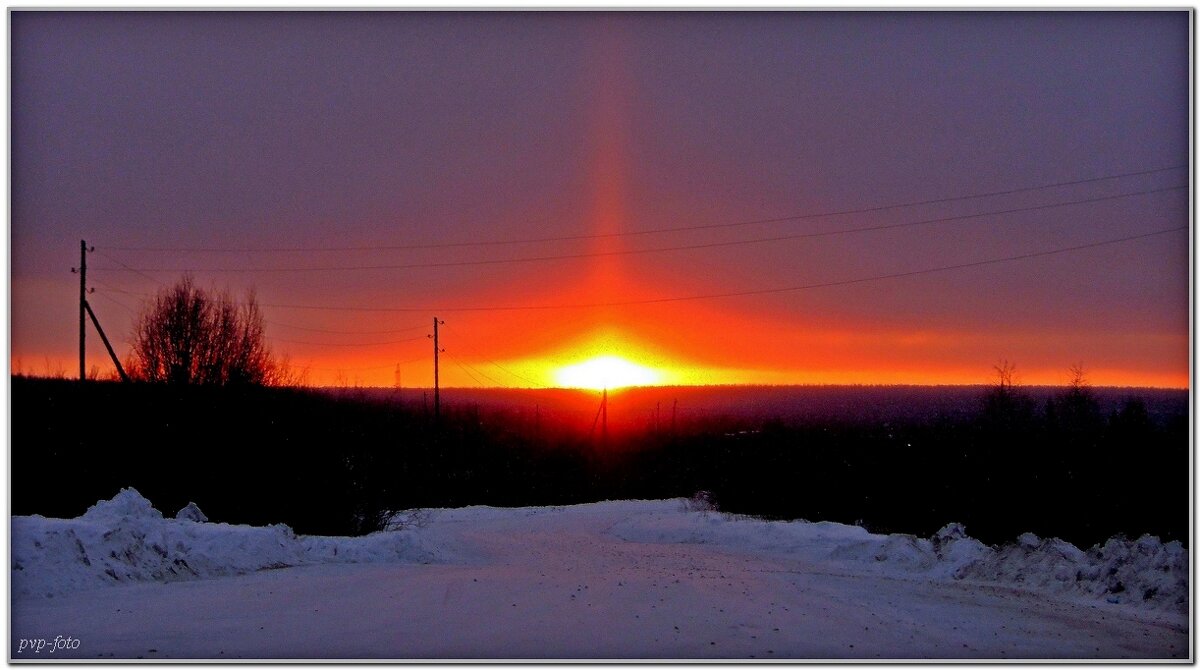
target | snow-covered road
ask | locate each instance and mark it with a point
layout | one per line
(595, 582)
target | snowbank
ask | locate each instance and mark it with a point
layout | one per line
(126, 540)
(1145, 572)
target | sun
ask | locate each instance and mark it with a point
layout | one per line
(606, 372)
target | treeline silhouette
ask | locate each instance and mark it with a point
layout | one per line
(341, 463)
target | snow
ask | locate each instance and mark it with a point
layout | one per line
(191, 512)
(126, 540)
(1144, 573)
(629, 579)
(127, 504)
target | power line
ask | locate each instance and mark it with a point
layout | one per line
(120, 337)
(357, 369)
(652, 250)
(111, 299)
(361, 369)
(460, 366)
(275, 323)
(511, 373)
(346, 332)
(349, 344)
(733, 294)
(486, 376)
(502, 368)
(117, 303)
(135, 271)
(654, 231)
(482, 373)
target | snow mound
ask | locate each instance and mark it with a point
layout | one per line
(945, 555)
(903, 551)
(128, 504)
(1145, 573)
(126, 540)
(191, 513)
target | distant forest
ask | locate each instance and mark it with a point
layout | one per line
(1075, 462)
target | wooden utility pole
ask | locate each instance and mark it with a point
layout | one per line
(437, 396)
(83, 249)
(601, 411)
(604, 414)
(85, 310)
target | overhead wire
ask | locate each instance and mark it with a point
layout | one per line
(346, 332)
(117, 303)
(130, 269)
(349, 344)
(654, 231)
(460, 366)
(731, 294)
(514, 374)
(361, 369)
(111, 299)
(483, 374)
(501, 367)
(119, 335)
(651, 250)
(278, 323)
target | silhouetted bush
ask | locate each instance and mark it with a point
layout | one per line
(186, 335)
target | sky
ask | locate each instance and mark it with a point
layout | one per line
(709, 197)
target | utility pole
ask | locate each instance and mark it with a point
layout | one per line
(83, 249)
(601, 411)
(437, 397)
(604, 413)
(85, 310)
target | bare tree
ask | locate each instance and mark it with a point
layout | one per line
(1076, 409)
(1006, 407)
(186, 335)
(1006, 374)
(1078, 381)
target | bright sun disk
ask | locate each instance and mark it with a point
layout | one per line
(605, 372)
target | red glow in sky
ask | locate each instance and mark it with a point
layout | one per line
(714, 198)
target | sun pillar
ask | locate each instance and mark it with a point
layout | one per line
(609, 142)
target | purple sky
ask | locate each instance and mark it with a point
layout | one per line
(311, 129)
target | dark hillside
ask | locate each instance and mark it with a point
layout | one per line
(895, 459)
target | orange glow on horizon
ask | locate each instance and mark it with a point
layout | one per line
(538, 371)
